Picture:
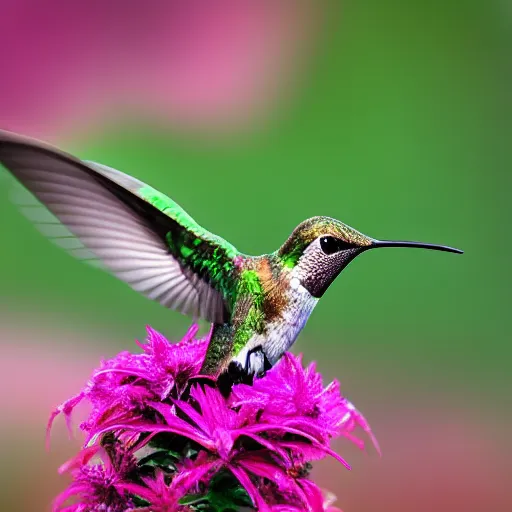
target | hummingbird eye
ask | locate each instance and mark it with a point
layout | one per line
(330, 245)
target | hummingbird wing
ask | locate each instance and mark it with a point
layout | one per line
(108, 218)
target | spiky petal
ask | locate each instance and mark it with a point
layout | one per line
(158, 442)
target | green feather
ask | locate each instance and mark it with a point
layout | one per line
(249, 288)
(204, 253)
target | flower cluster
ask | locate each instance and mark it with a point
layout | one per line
(160, 438)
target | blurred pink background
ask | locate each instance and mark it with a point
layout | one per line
(395, 115)
(194, 64)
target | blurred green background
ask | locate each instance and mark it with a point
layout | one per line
(396, 121)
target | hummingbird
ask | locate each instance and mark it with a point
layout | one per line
(258, 305)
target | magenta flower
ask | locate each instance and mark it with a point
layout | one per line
(99, 483)
(158, 441)
(294, 395)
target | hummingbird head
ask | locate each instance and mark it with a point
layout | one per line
(320, 248)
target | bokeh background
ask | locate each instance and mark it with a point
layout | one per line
(394, 117)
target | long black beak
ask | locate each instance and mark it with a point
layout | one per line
(419, 245)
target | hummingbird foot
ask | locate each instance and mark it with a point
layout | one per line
(256, 365)
(235, 374)
(257, 362)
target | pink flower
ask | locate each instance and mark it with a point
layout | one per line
(158, 441)
(98, 483)
(296, 396)
(124, 386)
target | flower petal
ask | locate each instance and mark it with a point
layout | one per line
(251, 489)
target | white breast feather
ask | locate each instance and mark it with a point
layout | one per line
(282, 333)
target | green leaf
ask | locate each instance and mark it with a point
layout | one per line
(139, 502)
(164, 459)
(225, 494)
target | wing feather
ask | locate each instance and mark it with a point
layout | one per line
(110, 219)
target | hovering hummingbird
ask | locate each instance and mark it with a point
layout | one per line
(258, 304)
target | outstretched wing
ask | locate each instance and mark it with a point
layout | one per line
(140, 235)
